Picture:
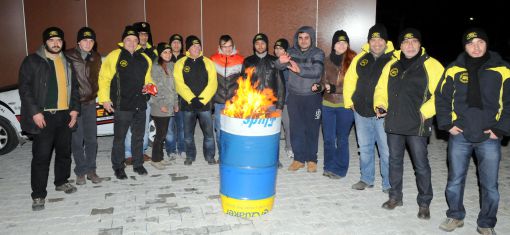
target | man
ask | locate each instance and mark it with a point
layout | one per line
(49, 109)
(404, 95)
(280, 48)
(359, 85)
(174, 141)
(228, 65)
(145, 42)
(85, 64)
(266, 74)
(306, 64)
(122, 77)
(473, 104)
(195, 82)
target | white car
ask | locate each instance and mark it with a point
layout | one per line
(10, 129)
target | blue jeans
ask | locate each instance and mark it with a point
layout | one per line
(205, 121)
(488, 156)
(127, 142)
(336, 125)
(419, 156)
(217, 124)
(369, 131)
(174, 141)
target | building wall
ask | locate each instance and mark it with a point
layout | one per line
(24, 21)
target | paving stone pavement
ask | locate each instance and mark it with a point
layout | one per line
(185, 200)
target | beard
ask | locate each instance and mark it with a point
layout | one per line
(52, 50)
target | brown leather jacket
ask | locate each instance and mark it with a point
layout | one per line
(86, 72)
(334, 75)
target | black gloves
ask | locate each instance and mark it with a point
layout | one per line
(196, 104)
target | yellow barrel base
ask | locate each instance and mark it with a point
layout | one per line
(246, 208)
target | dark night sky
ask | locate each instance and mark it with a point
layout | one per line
(442, 24)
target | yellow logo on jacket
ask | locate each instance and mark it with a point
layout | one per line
(464, 78)
(186, 69)
(393, 72)
(123, 63)
(363, 62)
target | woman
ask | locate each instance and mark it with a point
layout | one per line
(164, 104)
(336, 120)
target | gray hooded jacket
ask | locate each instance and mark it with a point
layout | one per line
(310, 62)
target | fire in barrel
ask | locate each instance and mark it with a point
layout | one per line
(250, 134)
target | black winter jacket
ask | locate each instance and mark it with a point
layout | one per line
(267, 75)
(33, 77)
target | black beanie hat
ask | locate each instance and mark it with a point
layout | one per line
(473, 33)
(129, 31)
(142, 27)
(192, 40)
(163, 46)
(52, 32)
(282, 42)
(84, 33)
(378, 31)
(409, 33)
(339, 36)
(175, 37)
(260, 36)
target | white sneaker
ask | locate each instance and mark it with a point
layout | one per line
(158, 165)
(290, 154)
(165, 162)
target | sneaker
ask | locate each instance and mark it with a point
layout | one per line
(424, 213)
(120, 174)
(67, 188)
(211, 161)
(311, 167)
(296, 165)
(146, 158)
(172, 156)
(129, 161)
(392, 203)
(166, 162)
(485, 231)
(158, 165)
(140, 170)
(188, 162)
(38, 204)
(331, 175)
(361, 185)
(80, 180)
(92, 176)
(290, 154)
(450, 224)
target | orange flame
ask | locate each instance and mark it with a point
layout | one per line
(249, 102)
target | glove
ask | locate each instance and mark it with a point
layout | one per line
(150, 89)
(196, 104)
(332, 89)
(319, 88)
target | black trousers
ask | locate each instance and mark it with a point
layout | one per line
(56, 135)
(419, 157)
(122, 121)
(161, 124)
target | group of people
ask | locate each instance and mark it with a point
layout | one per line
(390, 95)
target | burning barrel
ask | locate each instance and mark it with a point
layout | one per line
(249, 163)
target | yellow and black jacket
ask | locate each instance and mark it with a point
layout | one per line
(122, 77)
(361, 79)
(195, 78)
(408, 94)
(451, 99)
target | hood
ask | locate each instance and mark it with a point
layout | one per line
(305, 29)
